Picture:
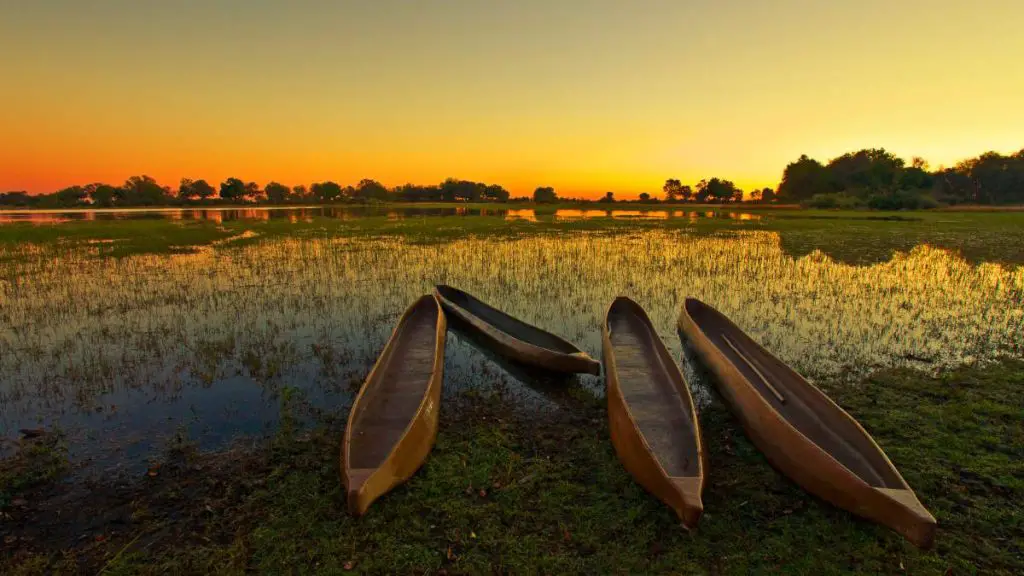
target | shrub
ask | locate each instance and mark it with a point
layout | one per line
(833, 200)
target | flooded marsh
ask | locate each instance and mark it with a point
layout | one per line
(125, 353)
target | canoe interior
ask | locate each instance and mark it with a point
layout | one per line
(507, 324)
(390, 403)
(662, 414)
(805, 407)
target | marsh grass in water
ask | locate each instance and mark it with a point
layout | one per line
(121, 351)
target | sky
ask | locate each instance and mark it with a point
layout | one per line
(583, 95)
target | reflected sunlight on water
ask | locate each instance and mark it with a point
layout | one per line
(526, 214)
(133, 347)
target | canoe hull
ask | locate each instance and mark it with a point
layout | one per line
(517, 349)
(682, 494)
(364, 486)
(803, 461)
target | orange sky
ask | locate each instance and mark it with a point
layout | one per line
(584, 95)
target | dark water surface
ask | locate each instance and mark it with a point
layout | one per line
(351, 212)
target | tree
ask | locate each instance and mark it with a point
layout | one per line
(252, 191)
(19, 198)
(864, 172)
(672, 189)
(702, 191)
(608, 197)
(496, 193)
(143, 191)
(71, 196)
(545, 194)
(102, 195)
(755, 195)
(685, 192)
(185, 190)
(768, 195)
(645, 197)
(203, 189)
(277, 193)
(325, 191)
(370, 190)
(803, 179)
(300, 192)
(232, 190)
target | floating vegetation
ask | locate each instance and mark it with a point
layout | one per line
(129, 348)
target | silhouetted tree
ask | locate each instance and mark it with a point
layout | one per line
(16, 198)
(102, 195)
(496, 193)
(71, 196)
(608, 197)
(370, 190)
(685, 193)
(203, 189)
(645, 197)
(755, 195)
(326, 191)
(185, 191)
(702, 191)
(300, 192)
(545, 194)
(232, 190)
(143, 191)
(672, 189)
(277, 193)
(803, 179)
(252, 191)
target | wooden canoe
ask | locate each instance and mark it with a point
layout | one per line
(801, 431)
(393, 421)
(514, 338)
(651, 414)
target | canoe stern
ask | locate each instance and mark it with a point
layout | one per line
(690, 507)
(909, 517)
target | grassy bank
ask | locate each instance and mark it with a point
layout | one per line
(508, 491)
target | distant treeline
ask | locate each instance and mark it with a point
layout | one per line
(877, 179)
(870, 178)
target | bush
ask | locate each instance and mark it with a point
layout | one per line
(903, 200)
(833, 200)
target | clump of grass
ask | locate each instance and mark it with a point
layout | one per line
(35, 463)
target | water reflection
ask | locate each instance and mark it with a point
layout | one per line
(121, 352)
(528, 215)
(306, 214)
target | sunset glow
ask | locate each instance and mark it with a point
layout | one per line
(586, 96)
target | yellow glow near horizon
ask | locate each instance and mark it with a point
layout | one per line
(585, 95)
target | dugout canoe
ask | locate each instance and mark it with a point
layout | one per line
(392, 425)
(514, 338)
(651, 414)
(801, 431)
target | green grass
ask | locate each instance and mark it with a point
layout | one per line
(35, 462)
(508, 491)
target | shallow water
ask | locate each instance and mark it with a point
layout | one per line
(123, 354)
(349, 212)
